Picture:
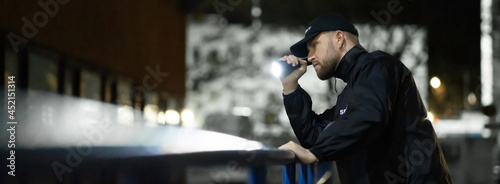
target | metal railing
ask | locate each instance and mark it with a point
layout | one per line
(307, 173)
(83, 141)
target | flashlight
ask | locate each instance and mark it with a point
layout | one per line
(283, 69)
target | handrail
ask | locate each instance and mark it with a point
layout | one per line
(121, 157)
(87, 137)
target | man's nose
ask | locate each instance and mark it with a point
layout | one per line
(311, 57)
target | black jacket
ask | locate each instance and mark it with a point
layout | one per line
(378, 131)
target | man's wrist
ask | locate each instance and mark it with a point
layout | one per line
(285, 92)
(316, 154)
(290, 87)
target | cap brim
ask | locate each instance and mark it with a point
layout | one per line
(299, 49)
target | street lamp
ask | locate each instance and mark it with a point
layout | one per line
(435, 82)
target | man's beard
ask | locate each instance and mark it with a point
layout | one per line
(327, 69)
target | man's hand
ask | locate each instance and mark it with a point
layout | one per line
(304, 155)
(290, 82)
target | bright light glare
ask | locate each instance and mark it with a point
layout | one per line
(242, 111)
(172, 117)
(276, 69)
(125, 115)
(161, 117)
(487, 52)
(187, 117)
(192, 140)
(430, 116)
(435, 82)
(150, 113)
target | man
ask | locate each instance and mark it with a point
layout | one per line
(377, 132)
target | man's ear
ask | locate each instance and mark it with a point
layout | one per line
(339, 37)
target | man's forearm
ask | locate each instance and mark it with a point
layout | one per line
(298, 106)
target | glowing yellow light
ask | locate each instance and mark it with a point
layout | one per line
(430, 116)
(435, 82)
(172, 117)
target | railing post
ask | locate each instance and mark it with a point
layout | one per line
(306, 174)
(289, 174)
(257, 174)
(310, 173)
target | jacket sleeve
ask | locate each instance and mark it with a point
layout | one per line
(366, 113)
(305, 123)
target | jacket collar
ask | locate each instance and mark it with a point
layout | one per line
(348, 62)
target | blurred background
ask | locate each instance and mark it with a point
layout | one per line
(205, 64)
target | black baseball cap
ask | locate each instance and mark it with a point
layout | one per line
(323, 23)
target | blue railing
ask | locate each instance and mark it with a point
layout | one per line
(307, 173)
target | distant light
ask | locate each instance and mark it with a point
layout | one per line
(472, 99)
(150, 113)
(276, 69)
(486, 133)
(187, 117)
(430, 116)
(161, 117)
(172, 117)
(125, 115)
(496, 169)
(242, 111)
(256, 11)
(435, 82)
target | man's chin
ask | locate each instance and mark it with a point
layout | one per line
(323, 77)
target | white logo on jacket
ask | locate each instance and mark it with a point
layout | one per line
(342, 111)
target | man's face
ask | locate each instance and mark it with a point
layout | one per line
(324, 54)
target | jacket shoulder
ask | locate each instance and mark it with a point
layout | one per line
(383, 62)
(383, 57)
(378, 59)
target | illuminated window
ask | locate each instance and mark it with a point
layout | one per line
(42, 70)
(90, 86)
